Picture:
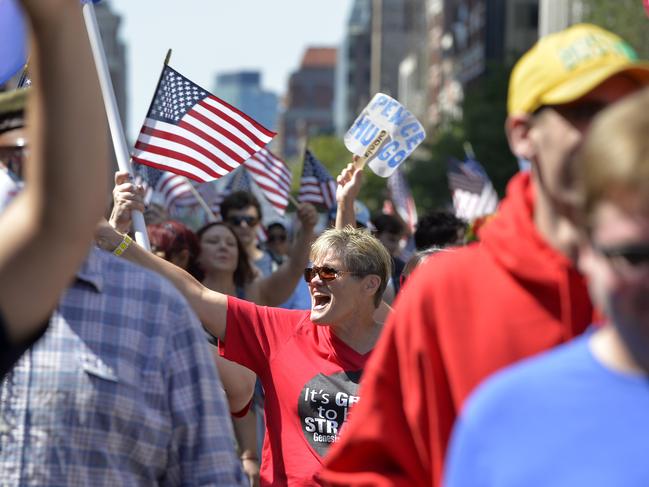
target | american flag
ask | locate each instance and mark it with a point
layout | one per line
(173, 190)
(401, 199)
(317, 185)
(238, 180)
(473, 194)
(272, 176)
(190, 132)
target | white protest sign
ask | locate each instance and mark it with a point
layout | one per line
(385, 134)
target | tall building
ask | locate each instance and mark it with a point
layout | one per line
(115, 50)
(512, 28)
(413, 69)
(243, 90)
(522, 27)
(555, 15)
(392, 22)
(457, 54)
(309, 101)
(379, 35)
(464, 35)
(353, 67)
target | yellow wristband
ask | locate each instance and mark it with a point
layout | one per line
(125, 244)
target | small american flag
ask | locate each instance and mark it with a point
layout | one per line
(473, 194)
(237, 180)
(241, 180)
(272, 176)
(317, 185)
(190, 132)
(173, 190)
(401, 199)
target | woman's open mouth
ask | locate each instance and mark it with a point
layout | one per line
(320, 301)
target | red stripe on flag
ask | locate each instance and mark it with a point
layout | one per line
(217, 128)
(280, 189)
(257, 125)
(231, 121)
(275, 165)
(178, 156)
(272, 190)
(189, 143)
(162, 167)
(236, 158)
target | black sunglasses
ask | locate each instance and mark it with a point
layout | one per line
(634, 255)
(577, 112)
(251, 221)
(276, 238)
(325, 273)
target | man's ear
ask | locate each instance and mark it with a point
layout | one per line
(517, 128)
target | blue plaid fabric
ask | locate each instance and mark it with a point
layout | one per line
(120, 391)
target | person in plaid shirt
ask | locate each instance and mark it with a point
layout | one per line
(121, 390)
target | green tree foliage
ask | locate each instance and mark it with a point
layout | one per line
(331, 151)
(483, 126)
(485, 111)
(426, 172)
(624, 17)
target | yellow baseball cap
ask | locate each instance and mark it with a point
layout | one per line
(564, 66)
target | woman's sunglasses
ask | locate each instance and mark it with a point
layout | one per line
(325, 273)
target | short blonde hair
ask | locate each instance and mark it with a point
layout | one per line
(360, 252)
(613, 163)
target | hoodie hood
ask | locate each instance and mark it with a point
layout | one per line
(513, 241)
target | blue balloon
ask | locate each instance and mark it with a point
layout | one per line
(13, 40)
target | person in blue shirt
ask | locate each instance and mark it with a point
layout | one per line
(578, 415)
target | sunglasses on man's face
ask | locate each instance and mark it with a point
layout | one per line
(577, 113)
(632, 256)
(276, 238)
(325, 273)
(236, 221)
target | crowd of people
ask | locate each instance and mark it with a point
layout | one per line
(356, 355)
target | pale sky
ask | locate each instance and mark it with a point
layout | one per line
(213, 36)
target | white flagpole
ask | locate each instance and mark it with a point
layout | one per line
(211, 217)
(115, 123)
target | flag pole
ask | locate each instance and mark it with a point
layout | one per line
(303, 131)
(24, 79)
(468, 150)
(292, 198)
(112, 113)
(211, 217)
(372, 149)
(201, 201)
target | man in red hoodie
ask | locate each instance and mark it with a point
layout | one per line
(465, 314)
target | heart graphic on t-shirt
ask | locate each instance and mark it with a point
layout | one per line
(323, 407)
